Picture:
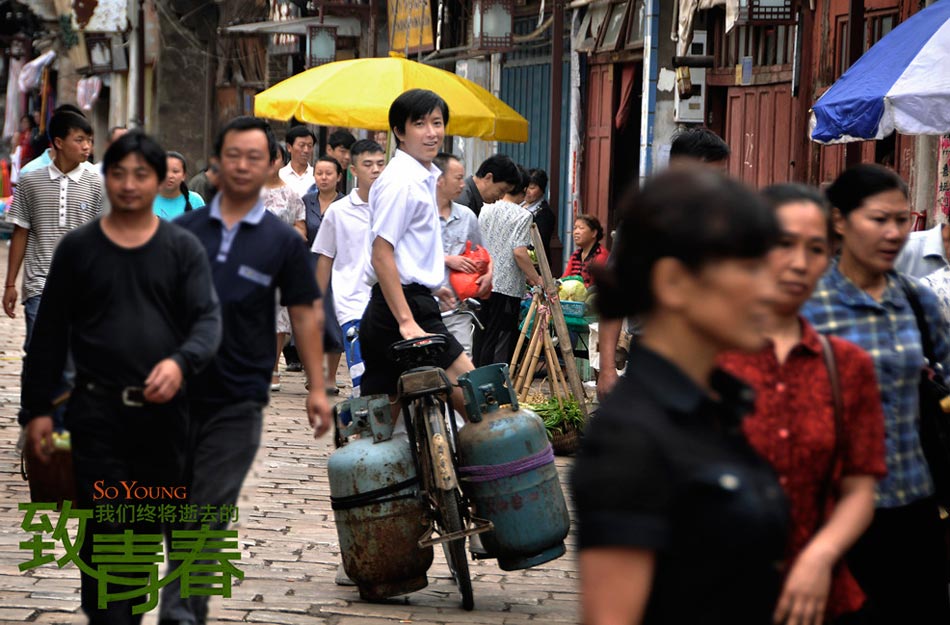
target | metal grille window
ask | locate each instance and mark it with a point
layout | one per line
(770, 11)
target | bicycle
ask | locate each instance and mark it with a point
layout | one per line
(424, 393)
(467, 307)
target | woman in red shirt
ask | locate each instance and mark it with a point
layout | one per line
(829, 482)
(587, 235)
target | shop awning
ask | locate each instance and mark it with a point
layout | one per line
(345, 26)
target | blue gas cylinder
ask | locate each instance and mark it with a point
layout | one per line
(374, 492)
(508, 472)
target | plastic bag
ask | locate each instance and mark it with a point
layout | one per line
(464, 283)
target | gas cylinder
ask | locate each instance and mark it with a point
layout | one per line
(508, 472)
(374, 493)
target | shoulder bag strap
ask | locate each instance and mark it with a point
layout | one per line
(831, 366)
(925, 342)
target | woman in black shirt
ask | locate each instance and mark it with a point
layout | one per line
(679, 520)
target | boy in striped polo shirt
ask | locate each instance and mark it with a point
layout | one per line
(48, 203)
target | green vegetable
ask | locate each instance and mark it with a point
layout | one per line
(558, 420)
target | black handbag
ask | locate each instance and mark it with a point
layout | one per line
(934, 424)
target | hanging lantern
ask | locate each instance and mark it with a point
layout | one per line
(321, 44)
(492, 25)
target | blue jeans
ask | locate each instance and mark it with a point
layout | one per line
(354, 359)
(30, 307)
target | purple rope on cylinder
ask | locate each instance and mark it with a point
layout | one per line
(489, 472)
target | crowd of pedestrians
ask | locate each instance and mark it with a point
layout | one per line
(769, 373)
(761, 460)
(222, 270)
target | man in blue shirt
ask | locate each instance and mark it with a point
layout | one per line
(252, 254)
(925, 252)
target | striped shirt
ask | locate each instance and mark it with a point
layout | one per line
(887, 330)
(49, 203)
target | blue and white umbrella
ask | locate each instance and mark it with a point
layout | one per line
(902, 83)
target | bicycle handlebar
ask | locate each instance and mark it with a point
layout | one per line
(466, 307)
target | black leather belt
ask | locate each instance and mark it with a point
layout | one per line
(131, 396)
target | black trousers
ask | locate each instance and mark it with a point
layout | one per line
(901, 564)
(499, 314)
(112, 444)
(379, 330)
(222, 443)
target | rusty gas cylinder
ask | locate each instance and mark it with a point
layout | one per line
(374, 492)
(508, 471)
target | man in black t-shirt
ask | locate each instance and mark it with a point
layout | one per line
(132, 298)
(253, 254)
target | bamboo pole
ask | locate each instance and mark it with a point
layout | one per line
(551, 361)
(526, 357)
(562, 383)
(560, 326)
(524, 332)
(558, 374)
(527, 373)
(533, 365)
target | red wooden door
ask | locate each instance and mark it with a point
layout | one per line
(597, 142)
(759, 133)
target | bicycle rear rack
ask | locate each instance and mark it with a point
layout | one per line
(480, 526)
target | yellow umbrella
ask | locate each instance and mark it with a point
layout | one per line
(358, 93)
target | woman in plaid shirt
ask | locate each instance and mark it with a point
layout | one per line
(901, 561)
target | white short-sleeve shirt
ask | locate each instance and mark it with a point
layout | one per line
(342, 237)
(298, 182)
(404, 212)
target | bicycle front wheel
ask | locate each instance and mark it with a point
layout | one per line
(450, 505)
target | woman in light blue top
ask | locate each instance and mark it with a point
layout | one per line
(173, 197)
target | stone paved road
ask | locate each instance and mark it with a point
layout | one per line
(289, 549)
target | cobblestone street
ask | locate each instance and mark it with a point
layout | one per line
(289, 549)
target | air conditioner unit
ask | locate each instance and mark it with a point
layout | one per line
(692, 110)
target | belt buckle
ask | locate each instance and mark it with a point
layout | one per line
(132, 396)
